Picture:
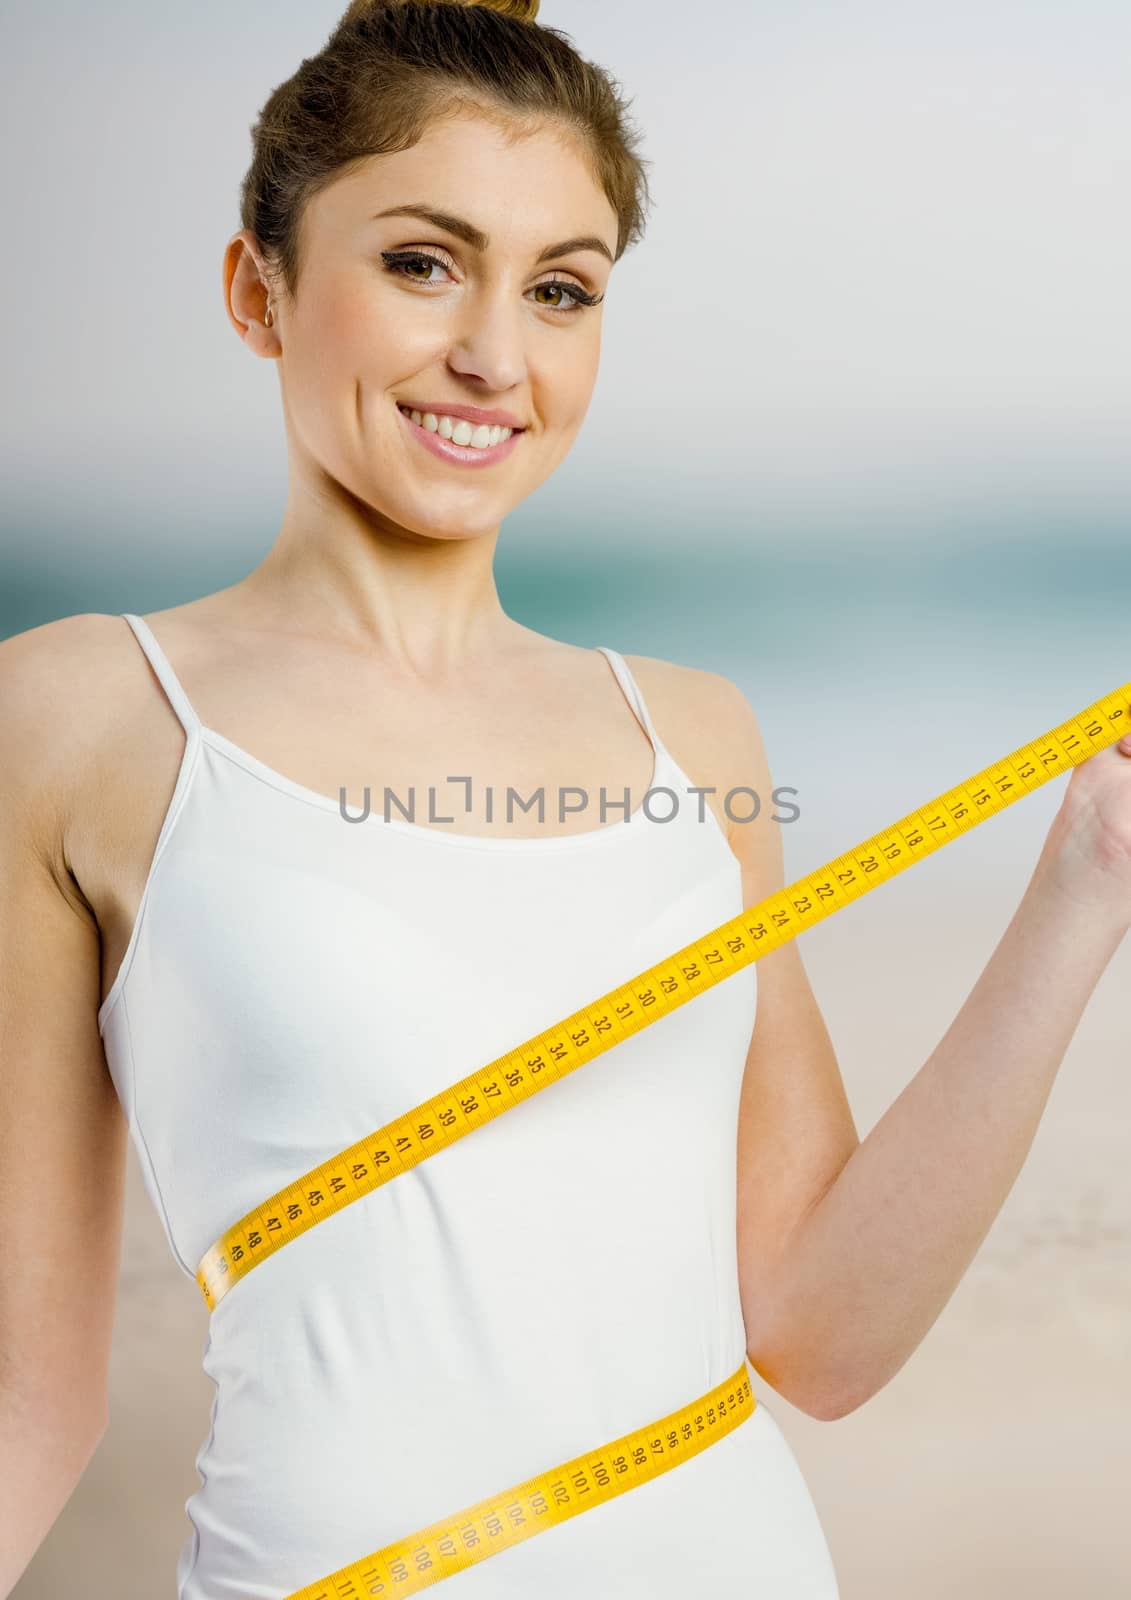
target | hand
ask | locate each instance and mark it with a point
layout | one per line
(1087, 854)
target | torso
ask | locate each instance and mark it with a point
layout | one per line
(546, 714)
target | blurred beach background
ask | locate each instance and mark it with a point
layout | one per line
(860, 443)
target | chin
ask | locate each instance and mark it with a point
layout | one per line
(450, 531)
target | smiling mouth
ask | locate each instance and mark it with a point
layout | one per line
(412, 412)
(491, 444)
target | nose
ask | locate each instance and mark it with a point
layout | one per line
(489, 344)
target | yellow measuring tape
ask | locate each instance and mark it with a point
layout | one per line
(542, 1502)
(429, 1555)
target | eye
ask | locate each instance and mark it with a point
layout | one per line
(581, 297)
(401, 262)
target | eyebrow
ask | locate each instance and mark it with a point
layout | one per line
(478, 240)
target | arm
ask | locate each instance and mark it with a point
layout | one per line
(795, 1125)
(62, 1135)
(872, 1263)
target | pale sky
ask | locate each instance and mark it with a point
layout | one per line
(887, 265)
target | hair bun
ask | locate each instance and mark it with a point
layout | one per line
(520, 10)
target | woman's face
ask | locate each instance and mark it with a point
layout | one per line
(467, 307)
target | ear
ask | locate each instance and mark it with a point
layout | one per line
(246, 292)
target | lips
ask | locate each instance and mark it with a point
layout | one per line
(459, 454)
(477, 416)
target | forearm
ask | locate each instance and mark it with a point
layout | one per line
(872, 1265)
(40, 1467)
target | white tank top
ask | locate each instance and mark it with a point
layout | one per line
(554, 1279)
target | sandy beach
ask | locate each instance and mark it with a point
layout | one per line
(995, 1464)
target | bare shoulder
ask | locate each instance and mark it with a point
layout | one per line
(62, 685)
(691, 694)
(709, 724)
(47, 686)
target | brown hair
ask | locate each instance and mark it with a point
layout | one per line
(390, 68)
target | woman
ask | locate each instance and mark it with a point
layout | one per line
(198, 927)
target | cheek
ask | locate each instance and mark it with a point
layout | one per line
(375, 344)
(579, 368)
(572, 388)
(350, 352)
(322, 359)
(347, 328)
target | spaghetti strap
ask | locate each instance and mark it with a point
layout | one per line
(159, 661)
(632, 693)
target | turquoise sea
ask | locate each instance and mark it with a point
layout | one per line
(881, 673)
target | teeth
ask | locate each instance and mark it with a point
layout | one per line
(459, 431)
